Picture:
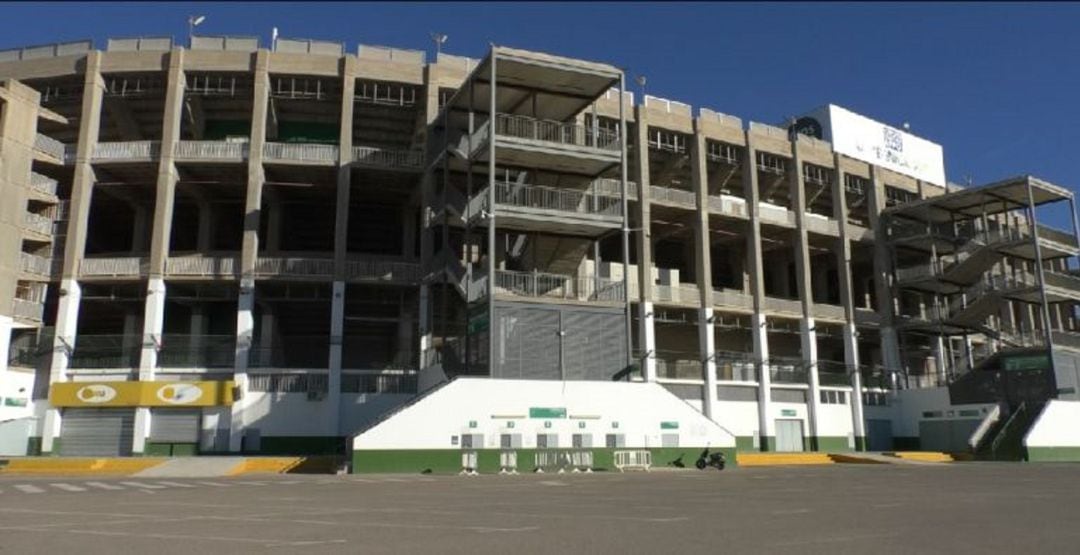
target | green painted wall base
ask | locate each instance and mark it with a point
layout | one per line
(171, 449)
(860, 443)
(1051, 454)
(745, 443)
(768, 443)
(299, 445)
(830, 444)
(448, 461)
(33, 446)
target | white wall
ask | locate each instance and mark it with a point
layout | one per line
(836, 420)
(739, 417)
(908, 406)
(1057, 426)
(19, 387)
(487, 406)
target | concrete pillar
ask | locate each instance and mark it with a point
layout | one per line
(67, 318)
(337, 333)
(424, 326)
(644, 247)
(848, 300)
(804, 283)
(890, 345)
(758, 323)
(153, 324)
(703, 269)
(250, 247)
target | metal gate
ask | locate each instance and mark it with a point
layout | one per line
(97, 432)
(879, 435)
(789, 435)
(175, 425)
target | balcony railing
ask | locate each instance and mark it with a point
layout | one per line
(789, 306)
(833, 373)
(38, 223)
(732, 298)
(608, 187)
(555, 198)
(728, 206)
(1056, 235)
(556, 286)
(37, 265)
(106, 351)
(382, 270)
(127, 151)
(676, 365)
(400, 159)
(301, 152)
(776, 214)
(673, 196)
(27, 310)
(197, 351)
(43, 184)
(684, 293)
(296, 267)
(524, 127)
(113, 266)
(218, 266)
(49, 146)
(828, 311)
(735, 367)
(821, 224)
(787, 370)
(211, 150)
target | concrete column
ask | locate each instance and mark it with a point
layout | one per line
(153, 323)
(67, 318)
(644, 248)
(337, 332)
(703, 269)
(245, 323)
(424, 325)
(847, 298)
(344, 174)
(804, 283)
(759, 329)
(890, 345)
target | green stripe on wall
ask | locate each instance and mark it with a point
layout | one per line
(1050, 454)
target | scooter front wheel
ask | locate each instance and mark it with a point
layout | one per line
(700, 464)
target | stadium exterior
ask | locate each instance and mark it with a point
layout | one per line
(226, 248)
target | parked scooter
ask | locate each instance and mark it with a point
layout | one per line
(707, 459)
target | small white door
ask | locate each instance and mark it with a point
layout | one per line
(789, 435)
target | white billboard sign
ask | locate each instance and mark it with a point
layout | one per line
(870, 141)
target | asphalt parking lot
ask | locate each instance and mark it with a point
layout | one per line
(960, 508)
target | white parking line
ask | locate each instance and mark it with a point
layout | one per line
(103, 485)
(67, 487)
(176, 484)
(27, 488)
(142, 485)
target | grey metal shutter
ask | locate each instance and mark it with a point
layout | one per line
(787, 395)
(175, 425)
(528, 343)
(594, 345)
(97, 432)
(736, 393)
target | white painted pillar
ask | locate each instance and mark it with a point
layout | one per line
(67, 319)
(245, 329)
(153, 323)
(766, 423)
(851, 360)
(648, 347)
(808, 338)
(707, 341)
(337, 331)
(424, 326)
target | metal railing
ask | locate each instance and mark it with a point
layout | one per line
(27, 310)
(286, 266)
(113, 266)
(301, 152)
(127, 150)
(405, 159)
(211, 150)
(382, 270)
(874, 376)
(524, 127)
(608, 187)
(787, 370)
(106, 351)
(43, 184)
(49, 146)
(557, 286)
(673, 196)
(197, 351)
(38, 223)
(735, 366)
(202, 265)
(832, 372)
(37, 265)
(556, 198)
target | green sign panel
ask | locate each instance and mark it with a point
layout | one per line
(669, 425)
(13, 402)
(581, 425)
(1029, 362)
(547, 412)
(472, 423)
(788, 412)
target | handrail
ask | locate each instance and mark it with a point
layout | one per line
(215, 150)
(410, 159)
(270, 266)
(301, 152)
(127, 150)
(554, 198)
(1006, 429)
(525, 127)
(988, 422)
(202, 265)
(113, 266)
(674, 196)
(557, 286)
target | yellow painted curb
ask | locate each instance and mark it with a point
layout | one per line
(62, 465)
(265, 465)
(922, 456)
(847, 458)
(782, 459)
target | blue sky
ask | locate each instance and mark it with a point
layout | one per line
(993, 83)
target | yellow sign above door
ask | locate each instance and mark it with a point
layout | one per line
(141, 394)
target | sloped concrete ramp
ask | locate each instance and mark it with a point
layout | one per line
(193, 467)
